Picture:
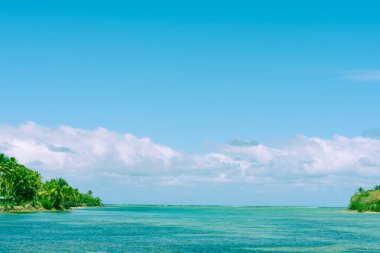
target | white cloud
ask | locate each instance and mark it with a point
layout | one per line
(304, 156)
(101, 154)
(362, 75)
(71, 149)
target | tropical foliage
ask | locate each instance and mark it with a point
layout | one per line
(366, 200)
(20, 185)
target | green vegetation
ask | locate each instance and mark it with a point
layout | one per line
(366, 200)
(20, 186)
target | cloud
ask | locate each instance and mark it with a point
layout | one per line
(305, 157)
(54, 148)
(70, 149)
(243, 142)
(362, 76)
(101, 155)
(372, 133)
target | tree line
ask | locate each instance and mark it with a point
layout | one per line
(366, 200)
(20, 186)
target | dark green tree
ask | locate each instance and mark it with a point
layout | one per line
(20, 185)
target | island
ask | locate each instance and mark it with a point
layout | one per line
(22, 190)
(366, 200)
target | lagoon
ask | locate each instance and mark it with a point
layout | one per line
(133, 228)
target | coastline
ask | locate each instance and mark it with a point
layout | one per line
(364, 212)
(32, 209)
(27, 209)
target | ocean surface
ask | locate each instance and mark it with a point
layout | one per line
(191, 229)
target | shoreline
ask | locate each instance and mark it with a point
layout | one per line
(22, 209)
(364, 212)
(32, 209)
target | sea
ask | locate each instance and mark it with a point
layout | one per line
(149, 228)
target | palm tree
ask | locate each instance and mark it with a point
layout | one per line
(56, 191)
(17, 183)
(7, 178)
(20, 185)
(27, 184)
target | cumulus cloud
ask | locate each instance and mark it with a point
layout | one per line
(361, 75)
(65, 150)
(307, 157)
(75, 150)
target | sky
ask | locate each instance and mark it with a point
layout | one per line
(195, 102)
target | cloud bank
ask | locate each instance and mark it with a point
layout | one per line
(100, 154)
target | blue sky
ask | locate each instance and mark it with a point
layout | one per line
(193, 75)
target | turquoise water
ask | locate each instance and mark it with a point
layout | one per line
(191, 229)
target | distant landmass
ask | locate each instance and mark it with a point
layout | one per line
(366, 200)
(22, 189)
